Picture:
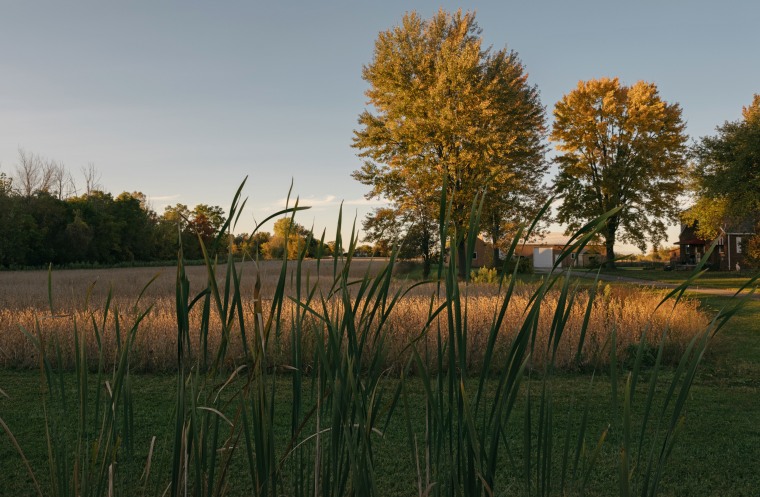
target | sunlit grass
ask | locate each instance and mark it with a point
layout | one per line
(629, 310)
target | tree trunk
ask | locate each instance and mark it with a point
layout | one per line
(609, 241)
(495, 237)
(462, 259)
(496, 262)
(426, 265)
(426, 256)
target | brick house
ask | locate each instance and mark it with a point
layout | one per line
(590, 256)
(482, 255)
(729, 250)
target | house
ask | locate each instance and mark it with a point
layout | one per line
(546, 255)
(482, 254)
(729, 249)
(542, 255)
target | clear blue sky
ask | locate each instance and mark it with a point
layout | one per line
(182, 100)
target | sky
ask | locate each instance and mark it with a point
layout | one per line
(183, 100)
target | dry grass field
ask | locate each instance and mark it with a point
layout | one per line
(23, 289)
(25, 295)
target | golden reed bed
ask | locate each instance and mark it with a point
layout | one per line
(628, 311)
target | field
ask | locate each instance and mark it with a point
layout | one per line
(709, 457)
(155, 347)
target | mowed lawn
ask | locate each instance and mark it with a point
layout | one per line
(710, 279)
(716, 454)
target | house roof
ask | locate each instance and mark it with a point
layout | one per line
(692, 241)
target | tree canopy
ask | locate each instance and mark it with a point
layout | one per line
(43, 221)
(619, 146)
(726, 179)
(445, 107)
(415, 235)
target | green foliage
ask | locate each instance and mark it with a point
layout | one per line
(202, 224)
(251, 246)
(726, 179)
(485, 275)
(6, 185)
(620, 146)
(520, 265)
(97, 228)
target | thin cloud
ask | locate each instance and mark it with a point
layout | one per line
(330, 201)
(163, 198)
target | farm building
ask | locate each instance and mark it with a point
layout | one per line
(545, 255)
(729, 249)
(482, 255)
(542, 255)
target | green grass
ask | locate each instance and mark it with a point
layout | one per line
(714, 456)
(710, 279)
(336, 423)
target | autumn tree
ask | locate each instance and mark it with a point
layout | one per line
(250, 246)
(726, 177)
(289, 239)
(205, 223)
(619, 146)
(443, 106)
(202, 221)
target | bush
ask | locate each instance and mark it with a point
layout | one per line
(484, 275)
(524, 265)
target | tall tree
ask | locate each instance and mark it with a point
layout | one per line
(620, 146)
(34, 173)
(139, 236)
(445, 107)
(18, 227)
(6, 185)
(726, 177)
(416, 234)
(383, 228)
(205, 223)
(288, 235)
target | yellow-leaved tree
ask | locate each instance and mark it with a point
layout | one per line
(445, 106)
(619, 146)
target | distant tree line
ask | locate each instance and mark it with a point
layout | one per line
(45, 220)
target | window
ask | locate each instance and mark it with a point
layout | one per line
(474, 255)
(738, 245)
